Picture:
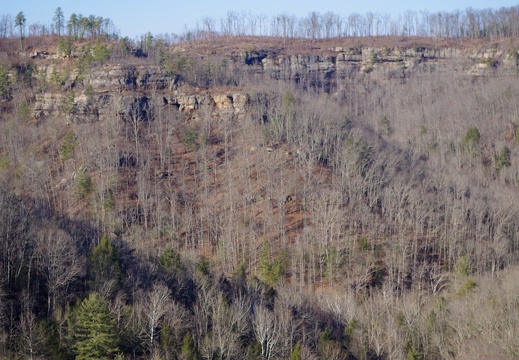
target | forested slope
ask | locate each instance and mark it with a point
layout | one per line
(251, 197)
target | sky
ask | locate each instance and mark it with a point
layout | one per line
(136, 17)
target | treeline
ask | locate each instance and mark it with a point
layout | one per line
(77, 26)
(470, 23)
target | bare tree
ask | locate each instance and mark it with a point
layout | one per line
(59, 262)
(228, 324)
(265, 328)
(30, 341)
(6, 25)
(154, 306)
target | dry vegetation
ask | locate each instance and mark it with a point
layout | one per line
(336, 217)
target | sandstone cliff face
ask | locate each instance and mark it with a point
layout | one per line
(128, 77)
(383, 63)
(120, 90)
(105, 103)
(232, 103)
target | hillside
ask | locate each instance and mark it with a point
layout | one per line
(251, 197)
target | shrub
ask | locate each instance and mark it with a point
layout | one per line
(109, 201)
(101, 52)
(25, 74)
(471, 138)
(513, 54)
(503, 158)
(350, 329)
(189, 138)
(386, 126)
(89, 91)
(23, 111)
(55, 78)
(491, 62)
(368, 69)
(288, 100)
(68, 104)
(4, 162)
(5, 84)
(68, 145)
(84, 184)
(296, 352)
(272, 268)
(203, 266)
(468, 287)
(363, 243)
(65, 45)
(463, 266)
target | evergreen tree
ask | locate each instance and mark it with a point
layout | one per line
(95, 332)
(73, 26)
(84, 184)
(104, 266)
(19, 22)
(188, 349)
(5, 83)
(171, 262)
(59, 21)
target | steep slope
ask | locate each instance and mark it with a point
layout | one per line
(332, 178)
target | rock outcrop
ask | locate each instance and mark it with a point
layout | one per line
(230, 103)
(382, 63)
(135, 90)
(100, 105)
(128, 77)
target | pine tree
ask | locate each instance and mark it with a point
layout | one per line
(171, 262)
(95, 332)
(19, 22)
(72, 26)
(59, 21)
(84, 184)
(188, 349)
(104, 266)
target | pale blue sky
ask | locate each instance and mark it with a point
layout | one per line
(136, 17)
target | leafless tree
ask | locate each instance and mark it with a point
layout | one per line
(154, 306)
(6, 25)
(59, 263)
(265, 328)
(227, 325)
(30, 339)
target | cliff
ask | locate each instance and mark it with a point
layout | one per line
(115, 89)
